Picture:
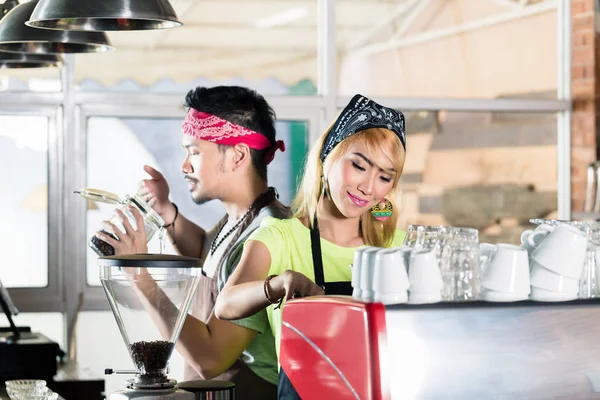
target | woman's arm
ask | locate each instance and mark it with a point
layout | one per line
(244, 293)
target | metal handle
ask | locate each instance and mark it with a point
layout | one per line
(110, 371)
(589, 204)
(595, 184)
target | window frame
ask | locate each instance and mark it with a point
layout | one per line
(69, 110)
(49, 298)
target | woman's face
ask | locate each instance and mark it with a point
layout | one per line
(356, 183)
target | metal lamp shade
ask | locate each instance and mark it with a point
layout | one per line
(15, 36)
(104, 15)
(22, 60)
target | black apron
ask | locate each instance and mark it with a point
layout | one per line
(285, 389)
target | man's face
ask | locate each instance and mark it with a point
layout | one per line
(202, 168)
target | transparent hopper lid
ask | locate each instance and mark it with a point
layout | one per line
(150, 295)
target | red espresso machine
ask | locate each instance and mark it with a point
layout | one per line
(336, 347)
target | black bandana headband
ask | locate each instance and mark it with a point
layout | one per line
(361, 114)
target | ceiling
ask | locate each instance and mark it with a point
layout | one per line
(261, 39)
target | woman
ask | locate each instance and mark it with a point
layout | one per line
(353, 168)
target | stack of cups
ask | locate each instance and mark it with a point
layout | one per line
(356, 271)
(505, 273)
(425, 277)
(365, 279)
(380, 275)
(557, 256)
(390, 280)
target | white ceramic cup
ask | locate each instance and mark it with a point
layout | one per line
(562, 251)
(424, 272)
(356, 292)
(486, 250)
(531, 238)
(493, 296)
(545, 279)
(406, 252)
(424, 298)
(538, 294)
(507, 271)
(366, 273)
(391, 298)
(389, 272)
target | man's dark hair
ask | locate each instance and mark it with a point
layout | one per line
(241, 106)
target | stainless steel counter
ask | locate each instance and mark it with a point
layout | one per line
(526, 350)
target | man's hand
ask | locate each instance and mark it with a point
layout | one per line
(294, 284)
(155, 192)
(132, 241)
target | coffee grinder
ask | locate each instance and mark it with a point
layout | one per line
(150, 295)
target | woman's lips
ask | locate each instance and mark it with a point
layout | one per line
(357, 200)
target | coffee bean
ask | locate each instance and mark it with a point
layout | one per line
(101, 247)
(151, 357)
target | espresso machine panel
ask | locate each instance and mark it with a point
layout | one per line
(471, 350)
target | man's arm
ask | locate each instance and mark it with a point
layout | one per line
(209, 348)
(187, 236)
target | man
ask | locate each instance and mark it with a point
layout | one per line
(229, 138)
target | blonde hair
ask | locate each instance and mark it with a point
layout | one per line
(384, 146)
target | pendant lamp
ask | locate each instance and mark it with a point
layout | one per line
(24, 60)
(104, 15)
(15, 36)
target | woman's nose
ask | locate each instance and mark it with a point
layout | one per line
(366, 187)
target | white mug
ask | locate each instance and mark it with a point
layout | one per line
(424, 272)
(562, 251)
(507, 270)
(530, 239)
(356, 267)
(543, 278)
(389, 272)
(366, 273)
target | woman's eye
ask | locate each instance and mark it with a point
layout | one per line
(358, 167)
(388, 180)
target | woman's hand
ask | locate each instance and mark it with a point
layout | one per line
(291, 284)
(132, 241)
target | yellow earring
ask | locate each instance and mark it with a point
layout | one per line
(382, 210)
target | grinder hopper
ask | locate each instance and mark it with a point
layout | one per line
(150, 295)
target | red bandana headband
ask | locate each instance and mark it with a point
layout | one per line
(204, 126)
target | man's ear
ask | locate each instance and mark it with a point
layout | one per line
(241, 155)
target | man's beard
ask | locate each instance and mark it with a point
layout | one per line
(201, 199)
(197, 197)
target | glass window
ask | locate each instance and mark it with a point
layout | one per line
(30, 80)
(269, 46)
(490, 171)
(133, 142)
(48, 324)
(24, 200)
(448, 48)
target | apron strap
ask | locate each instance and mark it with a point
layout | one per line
(315, 244)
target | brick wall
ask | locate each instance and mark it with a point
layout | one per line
(586, 92)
